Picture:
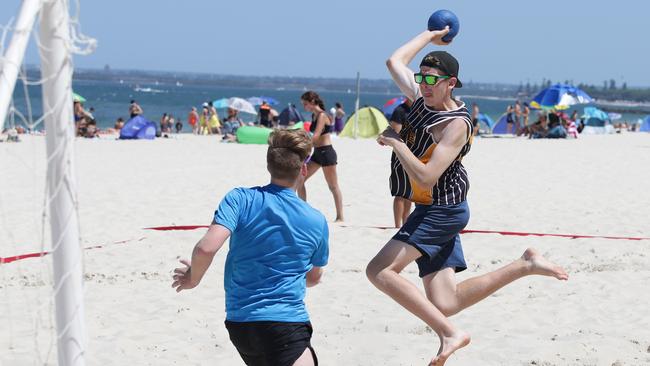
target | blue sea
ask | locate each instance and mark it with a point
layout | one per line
(110, 100)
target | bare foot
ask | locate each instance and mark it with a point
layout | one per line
(542, 266)
(338, 219)
(449, 345)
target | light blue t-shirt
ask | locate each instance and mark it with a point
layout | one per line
(276, 238)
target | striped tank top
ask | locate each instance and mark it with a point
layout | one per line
(453, 184)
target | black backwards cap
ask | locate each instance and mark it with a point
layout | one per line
(444, 62)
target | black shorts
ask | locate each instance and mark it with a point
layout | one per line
(324, 155)
(268, 343)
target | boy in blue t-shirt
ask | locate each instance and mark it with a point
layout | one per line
(278, 247)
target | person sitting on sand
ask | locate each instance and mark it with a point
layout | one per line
(429, 153)
(119, 124)
(539, 129)
(230, 125)
(278, 247)
(135, 109)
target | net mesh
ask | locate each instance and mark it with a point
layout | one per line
(27, 318)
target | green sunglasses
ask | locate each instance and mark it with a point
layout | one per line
(429, 79)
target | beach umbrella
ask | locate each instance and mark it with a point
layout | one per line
(560, 96)
(270, 100)
(255, 100)
(220, 103)
(241, 105)
(78, 98)
(259, 100)
(391, 104)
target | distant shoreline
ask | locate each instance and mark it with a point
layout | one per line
(154, 79)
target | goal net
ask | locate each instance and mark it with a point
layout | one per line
(41, 263)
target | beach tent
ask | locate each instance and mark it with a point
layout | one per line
(645, 125)
(138, 127)
(596, 122)
(501, 127)
(485, 123)
(290, 114)
(371, 123)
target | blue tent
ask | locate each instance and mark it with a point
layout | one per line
(501, 126)
(486, 121)
(645, 126)
(593, 112)
(290, 114)
(138, 127)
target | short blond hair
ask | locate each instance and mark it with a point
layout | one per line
(288, 149)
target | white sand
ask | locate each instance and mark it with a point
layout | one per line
(597, 185)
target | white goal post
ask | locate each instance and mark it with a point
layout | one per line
(54, 43)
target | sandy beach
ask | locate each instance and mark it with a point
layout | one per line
(596, 185)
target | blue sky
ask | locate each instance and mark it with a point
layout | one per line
(508, 41)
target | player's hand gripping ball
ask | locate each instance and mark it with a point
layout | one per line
(441, 19)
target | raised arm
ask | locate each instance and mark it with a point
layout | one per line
(190, 276)
(398, 62)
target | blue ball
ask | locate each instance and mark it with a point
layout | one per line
(442, 18)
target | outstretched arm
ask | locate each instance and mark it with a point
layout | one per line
(398, 62)
(190, 276)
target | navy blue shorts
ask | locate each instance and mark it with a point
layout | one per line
(435, 232)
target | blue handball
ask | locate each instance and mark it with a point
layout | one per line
(442, 18)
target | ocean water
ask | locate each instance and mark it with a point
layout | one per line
(110, 99)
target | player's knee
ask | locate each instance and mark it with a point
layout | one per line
(374, 271)
(445, 307)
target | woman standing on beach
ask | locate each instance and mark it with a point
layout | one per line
(339, 115)
(324, 155)
(193, 119)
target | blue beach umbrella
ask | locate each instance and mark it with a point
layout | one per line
(255, 100)
(270, 100)
(259, 100)
(391, 104)
(560, 96)
(220, 103)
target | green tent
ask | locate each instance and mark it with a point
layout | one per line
(371, 122)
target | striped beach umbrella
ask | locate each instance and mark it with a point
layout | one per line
(560, 96)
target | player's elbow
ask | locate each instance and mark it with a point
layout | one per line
(207, 247)
(425, 182)
(391, 62)
(314, 276)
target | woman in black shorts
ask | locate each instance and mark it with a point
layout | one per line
(324, 155)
